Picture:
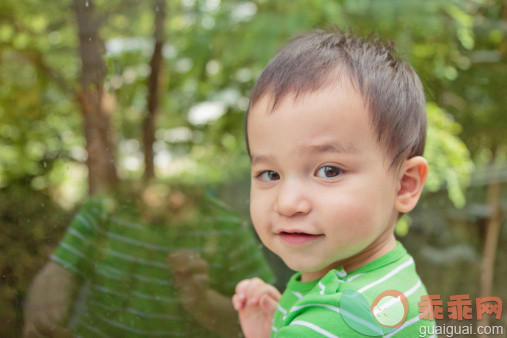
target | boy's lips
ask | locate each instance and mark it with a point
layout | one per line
(298, 237)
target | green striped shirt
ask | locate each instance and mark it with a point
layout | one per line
(129, 290)
(331, 306)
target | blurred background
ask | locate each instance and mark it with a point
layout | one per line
(101, 94)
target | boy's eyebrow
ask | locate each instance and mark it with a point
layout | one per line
(332, 148)
(318, 148)
(260, 158)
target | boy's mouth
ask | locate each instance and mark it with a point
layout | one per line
(298, 238)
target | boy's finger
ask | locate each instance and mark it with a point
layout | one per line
(273, 292)
(238, 301)
(30, 331)
(257, 288)
(251, 290)
(181, 270)
(251, 294)
(199, 281)
(255, 294)
(241, 286)
(253, 286)
(182, 257)
(63, 332)
(54, 330)
(268, 305)
(198, 265)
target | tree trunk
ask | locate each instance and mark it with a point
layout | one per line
(91, 98)
(493, 225)
(153, 90)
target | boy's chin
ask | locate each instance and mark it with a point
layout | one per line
(308, 269)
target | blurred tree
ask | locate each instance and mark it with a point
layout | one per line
(476, 100)
(92, 98)
(159, 10)
(217, 49)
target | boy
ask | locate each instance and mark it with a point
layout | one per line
(336, 130)
(152, 265)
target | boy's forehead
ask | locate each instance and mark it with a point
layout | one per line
(352, 130)
(269, 102)
(333, 111)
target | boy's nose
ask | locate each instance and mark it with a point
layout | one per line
(292, 200)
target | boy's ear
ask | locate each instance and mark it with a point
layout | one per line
(412, 177)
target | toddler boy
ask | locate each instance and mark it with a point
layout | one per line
(147, 263)
(336, 130)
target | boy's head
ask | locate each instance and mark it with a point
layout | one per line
(390, 88)
(335, 130)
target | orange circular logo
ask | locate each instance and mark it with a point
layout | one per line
(390, 308)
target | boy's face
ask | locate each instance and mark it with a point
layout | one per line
(321, 191)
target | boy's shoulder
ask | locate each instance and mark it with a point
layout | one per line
(387, 289)
(395, 270)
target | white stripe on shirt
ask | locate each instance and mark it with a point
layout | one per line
(151, 333)
(387, 276)
(322, 288)
(137, 260)
(351, 278)
(128, 224)
(314, 328)
(71, 249)
(84, 221)
(77, 234)
(135, 276)
(66, 265)
(139, 243)
(413, 289)
(330, 307)
(407, 323)
(338, 310)
(281, 309)
(94, 330)
(297, 294)
(137, 312)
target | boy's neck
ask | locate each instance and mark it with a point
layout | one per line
(381, 246)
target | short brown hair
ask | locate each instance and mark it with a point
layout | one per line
(390, 87)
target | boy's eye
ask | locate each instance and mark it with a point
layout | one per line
(328, 171)
(269, 175)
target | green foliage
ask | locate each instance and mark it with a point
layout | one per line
(32, 223)
(448, 157)
(36, 121)
(214, 51)
(403, 225)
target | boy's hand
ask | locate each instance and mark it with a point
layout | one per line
(191, 277)
(209, 308)
(256, 303)
(46, 327)
(48, 302)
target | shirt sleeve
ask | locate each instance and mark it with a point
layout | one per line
(318, 316)
(78, 246)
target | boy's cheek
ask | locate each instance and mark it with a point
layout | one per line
(259, 203)
(351, 219)
(259, 223)
(258, 213)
